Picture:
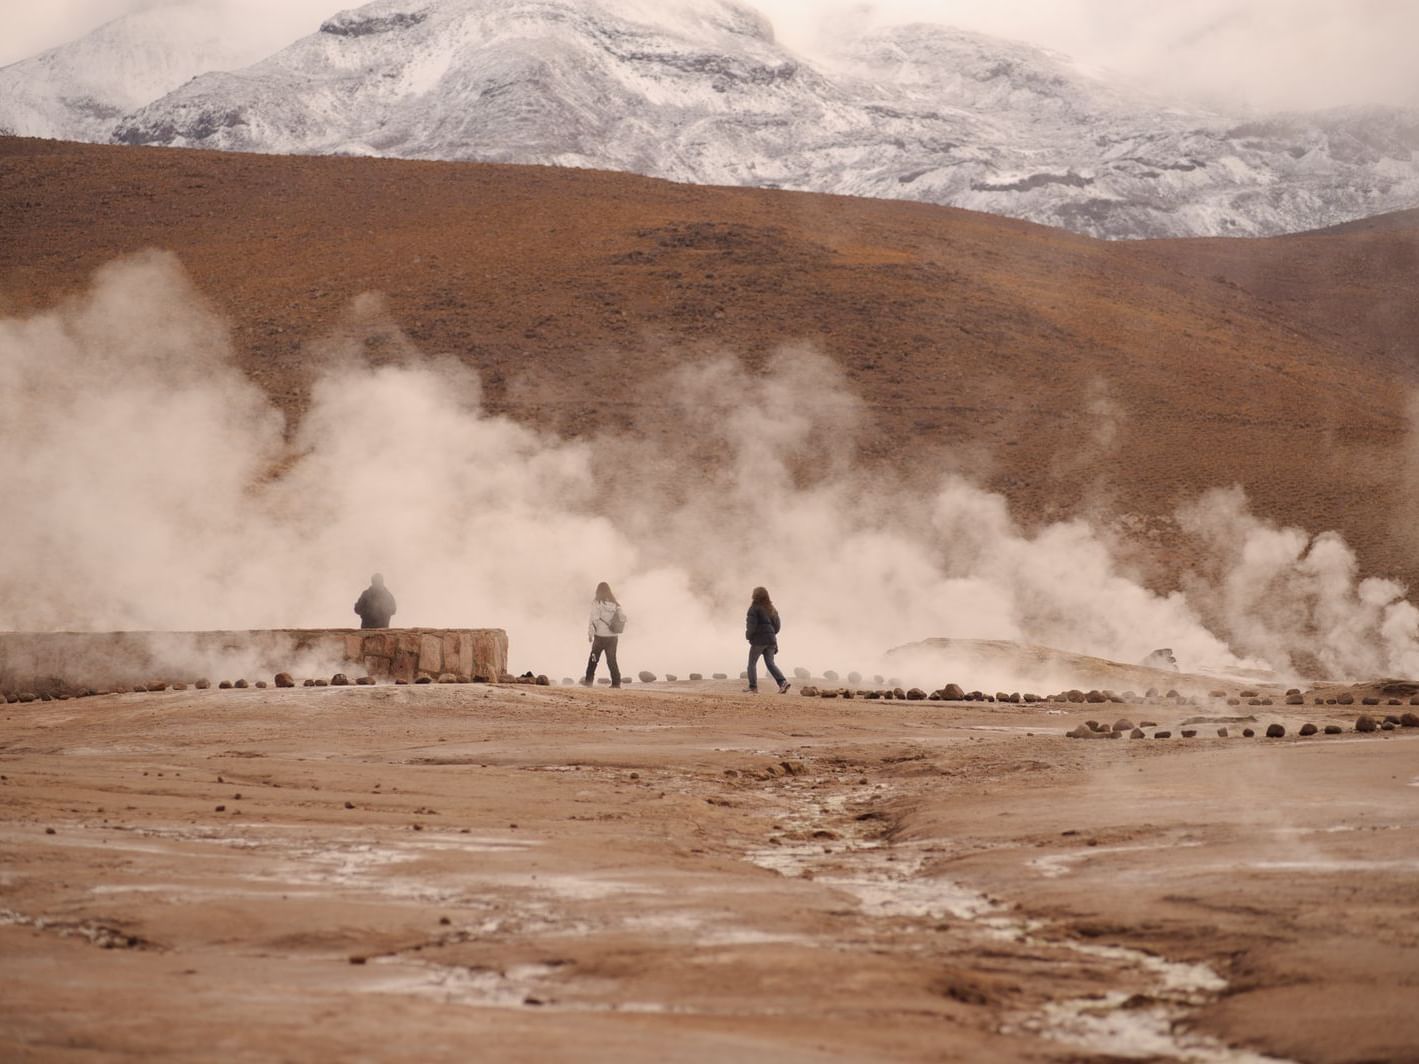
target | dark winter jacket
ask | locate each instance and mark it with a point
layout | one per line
(761, 626)
(375, 607)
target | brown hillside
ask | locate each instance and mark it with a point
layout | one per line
(1059, 369)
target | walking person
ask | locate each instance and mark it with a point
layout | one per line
(761, 628)
(604, 628)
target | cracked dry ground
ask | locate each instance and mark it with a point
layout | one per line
(684, 873)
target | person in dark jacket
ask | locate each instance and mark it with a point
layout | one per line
(761, 628)
(375, 604)
(604, 630)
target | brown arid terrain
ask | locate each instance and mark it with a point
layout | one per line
(1063, 372)
(681, 872)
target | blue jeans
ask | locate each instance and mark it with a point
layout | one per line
(768, 653)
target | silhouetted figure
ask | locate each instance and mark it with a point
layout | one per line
(604, 628)
(761, 628)
(375, 604)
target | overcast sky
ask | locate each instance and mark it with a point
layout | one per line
(1268, 54)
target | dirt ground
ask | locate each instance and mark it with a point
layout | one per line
(685, 873)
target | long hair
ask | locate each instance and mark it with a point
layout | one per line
(761, 598)
(603, 593)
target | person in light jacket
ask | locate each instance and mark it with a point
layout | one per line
(604, 629)
(761, 628)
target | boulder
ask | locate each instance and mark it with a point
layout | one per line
(1189, 733)
(670, 677)
(1409, 720)
(897, 692)
(1138, 733)
(340, 680)
(1366, 723)
(1030, 699)
(1247, 733)
(916, 694)
(1234, 701)
(1123, 724)
(261, 685)
(1001, 696)
(1295, 700)
(240, 684)
(828, 692)
(284, 679)
(696, 676)
(225, 685)
(1369, 700)
(1308, 729)
(1387, 726)
(808, 691)
(1333, 729)
(1075, 695)
(847, 692)
(953, 692)
(543, 680)
(1222, 733)
(1293, 690)
(157, 686)
(872, 694)
(721, 676)
(26, 697)
(365, 681)
(646, 677)
(1275, 731)
(1346, 699)
(1095, 697)
(1162, 735)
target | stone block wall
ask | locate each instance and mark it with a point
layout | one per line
(55, 662)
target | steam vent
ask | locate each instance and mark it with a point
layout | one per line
(55, 662)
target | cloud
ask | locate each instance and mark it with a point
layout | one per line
(1265, 54)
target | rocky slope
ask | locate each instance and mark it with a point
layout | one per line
(699, 91)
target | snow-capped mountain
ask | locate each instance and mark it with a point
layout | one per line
(700, 91)
(78, 91)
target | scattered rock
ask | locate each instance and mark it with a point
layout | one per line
(283, 679)
(1309, 729)
(1387, 726)
(808, 691)
(696, 676)
(916, 694)
(1138, 733)
(1333, 729)
(1250, 694)
(670, 677)
(1222, 733)
(1095, 697)
(1409, 720)
(307, 683)
(828, 692)
(365, 681)
(953, 692)
(261, 684)
(159, 686)
(1247, 733)
(830, 675)
(1369, 700)
(545, 681)
(422, 679)
(339, 680)
(1147, 723)
(321, 683)
(1275, 731)
(721, 676)
(202, 685)
(225, 685)
(1295, 700)
(1366, 723)
(240, 684)
(1189, 733)
(1163, 735)
(1346, 699)
(646, 677)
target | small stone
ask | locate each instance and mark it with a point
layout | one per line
(49, 831)
(365, 681)
(897, 692)
(696, 676)
(670, 677)
(721, 675)
(1123, 724)
(1247, 733)
(1295, 700)
(1163, 735)
(1308, 729)
(1222, 733)
(1366, 723)
(308, 683)
(1275, 731)
(544, 681)
(916, 694)
(339, 680)
(1409, 720)
(1138, 733)
(349, 805)
(284, 679)
(221, 809)
(202, 685)
(241, 685)
(1333, 729)
(1369, 700)
(1346, 699)
(646, 677)
(1189, 733)
(261, 684)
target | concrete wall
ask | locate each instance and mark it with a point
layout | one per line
(55, 662)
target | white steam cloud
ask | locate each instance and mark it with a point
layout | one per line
(149, 485)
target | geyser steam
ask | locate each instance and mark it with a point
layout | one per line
(148, 484)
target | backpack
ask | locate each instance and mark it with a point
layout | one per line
(617, 624)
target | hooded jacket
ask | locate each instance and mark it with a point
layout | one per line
(761, 626)
(600, 622)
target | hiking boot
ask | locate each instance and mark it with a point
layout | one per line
(783, 687)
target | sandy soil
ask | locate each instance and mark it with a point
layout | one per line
(687, 873)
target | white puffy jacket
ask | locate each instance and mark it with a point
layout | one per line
(600, 623)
